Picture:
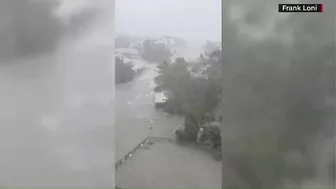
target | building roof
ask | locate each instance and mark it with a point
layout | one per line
(160, 97)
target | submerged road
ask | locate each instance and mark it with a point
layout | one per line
(135, 113)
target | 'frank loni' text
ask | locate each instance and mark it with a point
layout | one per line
(300, 8)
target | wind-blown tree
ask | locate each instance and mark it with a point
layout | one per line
(210, 47)
(193, 95)
(155, 52)
(275, 93)
(123, 71)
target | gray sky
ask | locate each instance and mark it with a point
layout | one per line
(189, 19)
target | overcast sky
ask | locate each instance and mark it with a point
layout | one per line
(189, 19)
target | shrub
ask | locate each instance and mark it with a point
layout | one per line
(123, 71)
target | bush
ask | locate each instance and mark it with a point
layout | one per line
(187, 134)
(155, 52)
(190, 95)
(213, 134)
(123, 71)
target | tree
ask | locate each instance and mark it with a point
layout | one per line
(191, 96)
(211, 47)
(154, 51)
(123, 71)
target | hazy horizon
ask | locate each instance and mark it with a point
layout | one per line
(188, 19)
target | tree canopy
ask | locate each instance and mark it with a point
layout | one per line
(191, 93)
(154, 51)
(123, 71)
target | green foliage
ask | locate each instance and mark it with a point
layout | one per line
(212, 133)
(123, 71)
(192, 97)
(155, 52)
(186, 135)
(210, 47)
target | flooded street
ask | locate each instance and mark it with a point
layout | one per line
(163, 164)
(136, 113)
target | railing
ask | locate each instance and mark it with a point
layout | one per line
(139, 146)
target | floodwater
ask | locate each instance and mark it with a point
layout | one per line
(169, 165)
(135, 114)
